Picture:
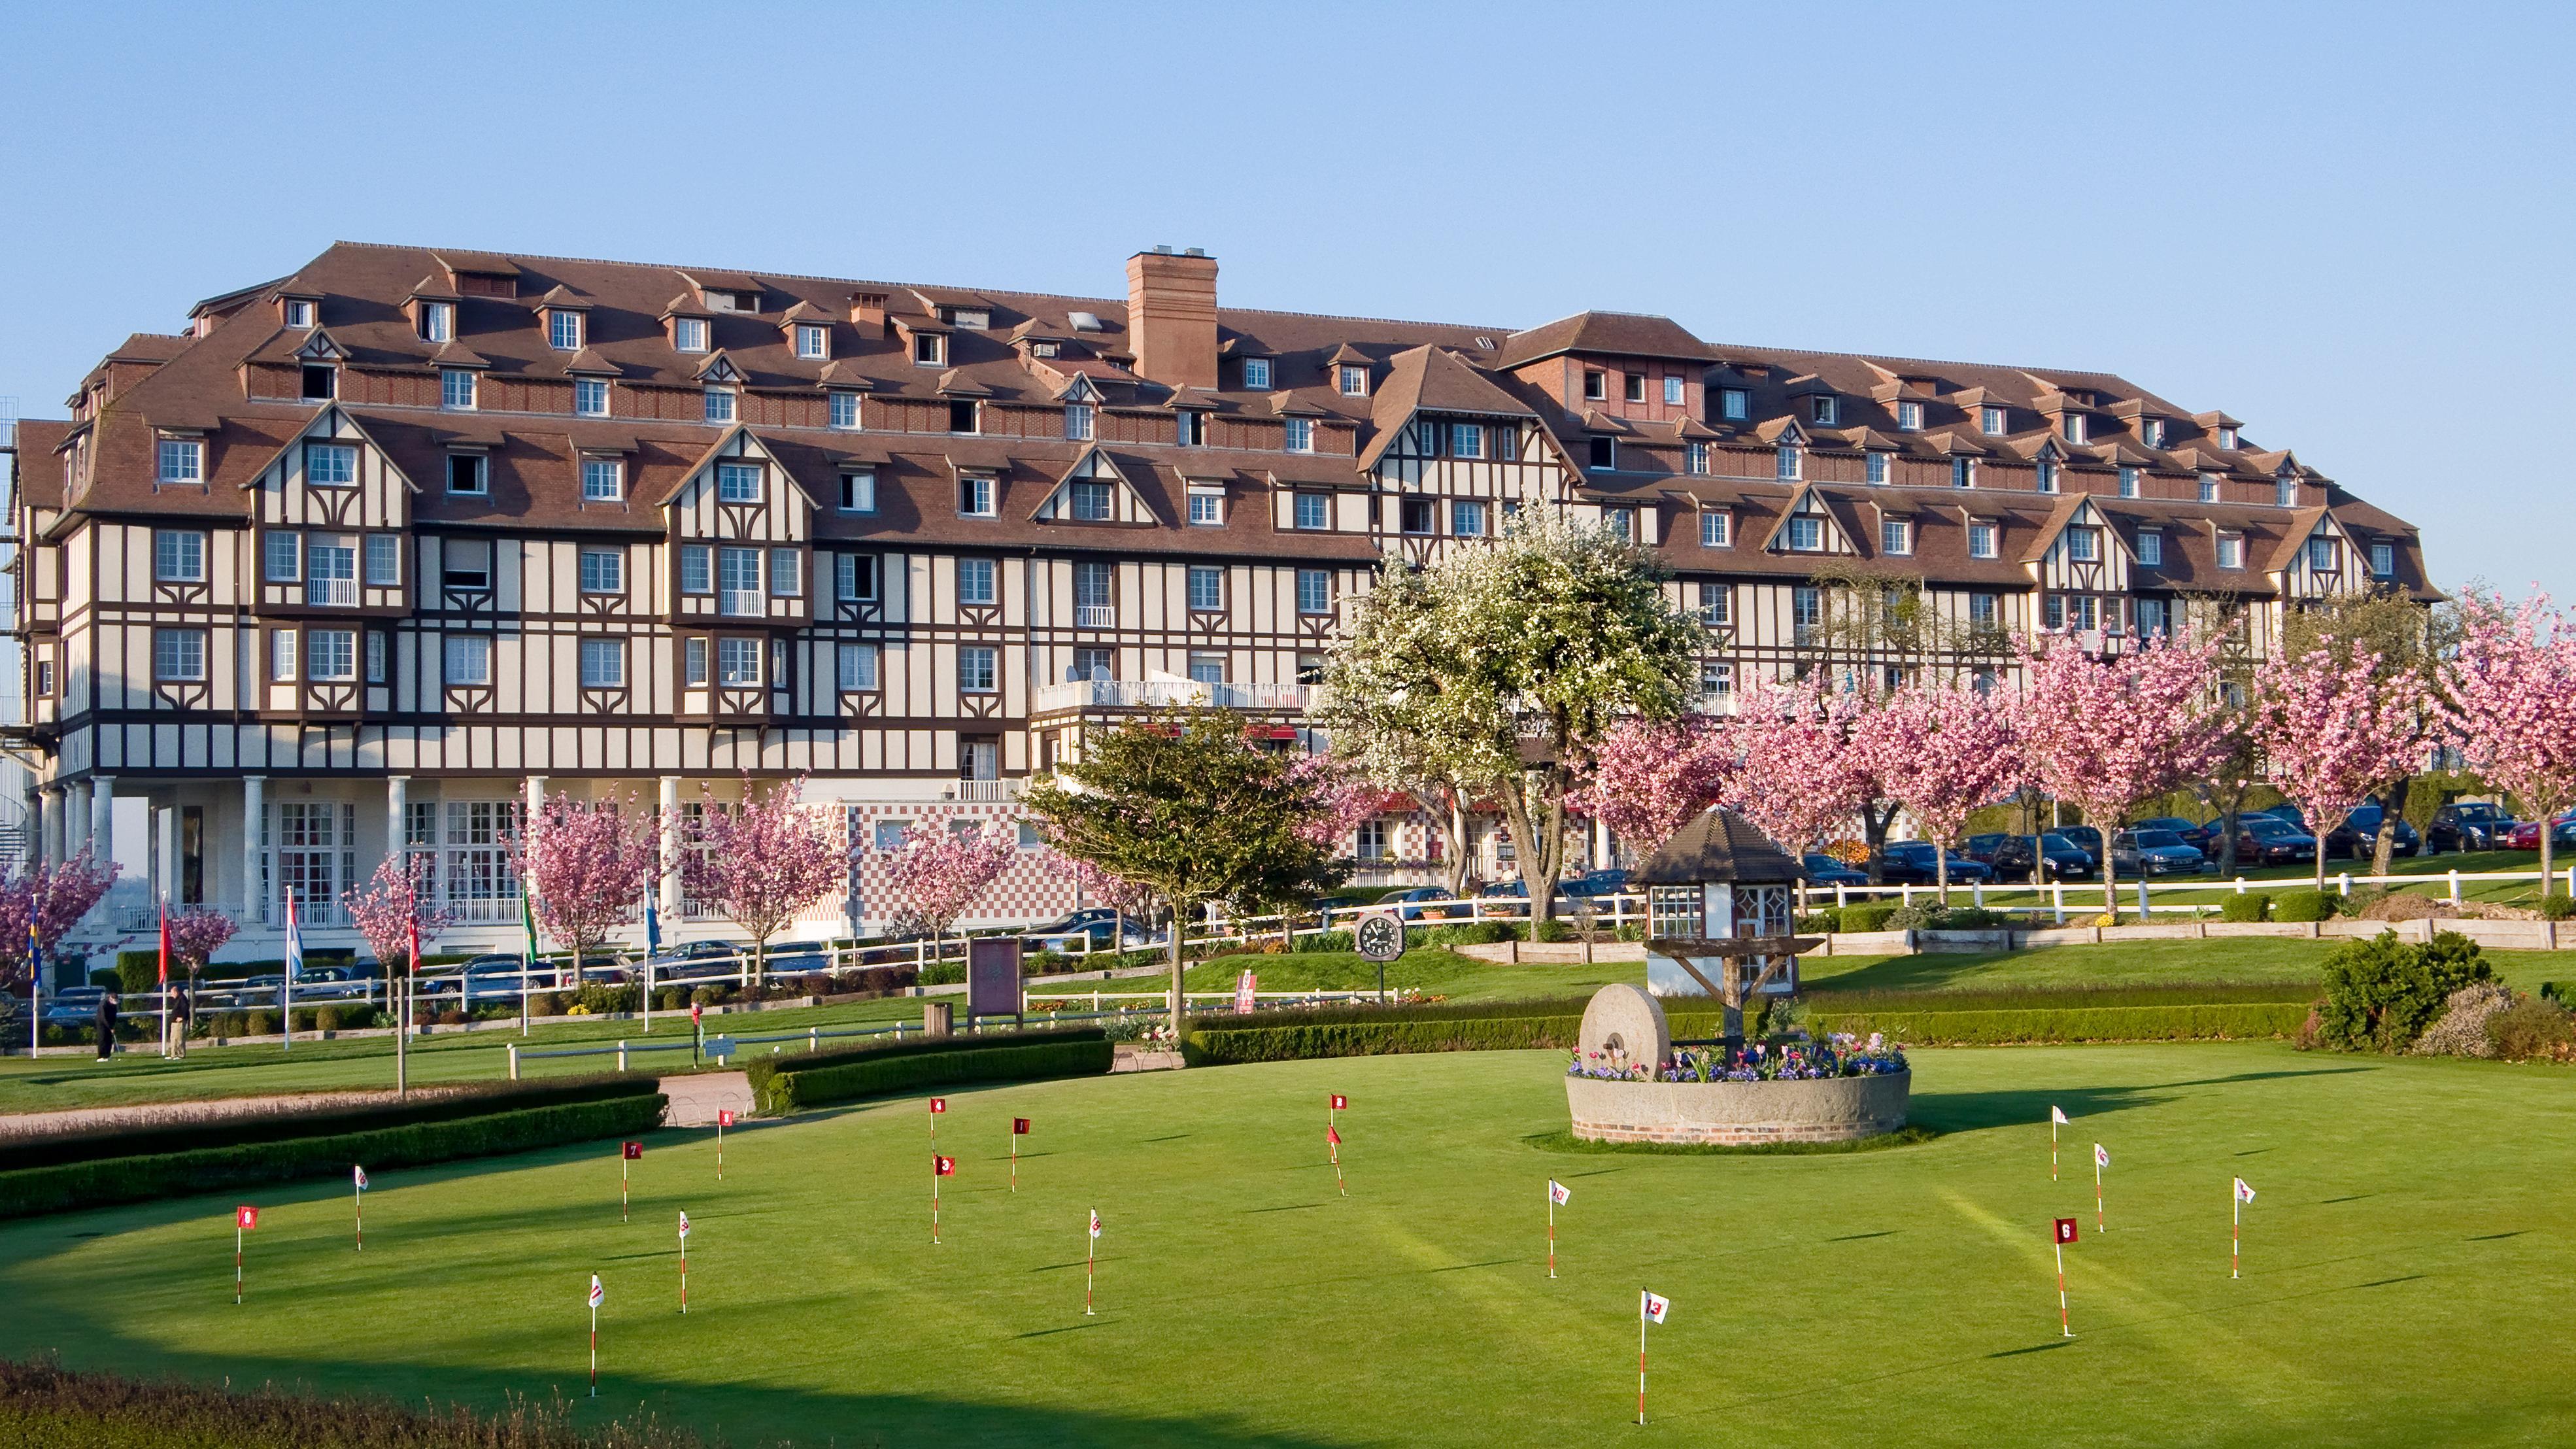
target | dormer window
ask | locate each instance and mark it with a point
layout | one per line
(1091, 502)
(1963, 472)
(1673, 392)
(590, 397)
(1981, 540)
(1078, 422)
(1717, 529)
(2231, 550)
(1990, 421)
(1827, 410)
(2383, 560)
(929, 349)
(1596, 385)
(859, 492)
(1353, 379)
(813, 343)
(1734, 404)
(2227, 439)
(321, 382)
(719, 405)
(2209, 488)
(1207, 505)
(1189, 428)
(2084, 545)
(1788, 464)
(1297, 435)
(845, 410)
(2128, 482)
(1695, 458)
(182, 460)
(2047, 476)
(1806, 534)
(962, 416)
(2151, 431)
(1896, 536)
(1256, 374)
(689, 334)
(299, 313)
(737, 483)
(1466, 440)
(973, 319)
(1045, 349)
(2321, 556)
(1605, 453)
(2151, 548)
(455, 388)
(1876, 464)
(437, 321)
(1909, 416)
(468, 474)
(563, 330)
(2285, 491)
(975, 496)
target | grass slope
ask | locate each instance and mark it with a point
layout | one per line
(2403, 1284)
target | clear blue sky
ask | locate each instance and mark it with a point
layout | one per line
(2347, 225)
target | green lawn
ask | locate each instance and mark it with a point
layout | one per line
(2404, 1267)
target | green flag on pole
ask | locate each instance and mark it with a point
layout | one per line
(527, 918)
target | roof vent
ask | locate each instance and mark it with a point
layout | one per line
(1085, 321)
(1194, 251)
(1162, 249)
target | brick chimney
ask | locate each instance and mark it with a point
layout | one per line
(1171, 316)
(868, 313)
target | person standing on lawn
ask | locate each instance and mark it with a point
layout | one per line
(106, 1024)
(183, 1018)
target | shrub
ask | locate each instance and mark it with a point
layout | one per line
(711, 996)
(1468, 933)
(1921, 916)
(2307, 905)
(1016, 1058)
(2558, 991)
(2381, 993)
(2249, 907)
(1868, 916)
(943, 973)
(2069, 1023)
(762, 1071)
(1827, 919)
(1204, 1045)
(2532, 1027)
(2462, 1030)
(1552, 932)
(2557, 906)
(259, 1023)
(601, 999)
(138, 970)
(1630, 931)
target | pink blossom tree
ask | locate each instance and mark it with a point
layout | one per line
(1343, 798)
(399, 913)
(2508, 700)
(195, 937)
(1100, 888)
(2107, 733)
(1647, 779)
(586, 868)
(938, 874)
(764, 861)
(2331, 732)
(54, 897)
(1941, 750)
(1796, 774)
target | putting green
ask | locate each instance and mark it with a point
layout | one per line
(2404, 1280)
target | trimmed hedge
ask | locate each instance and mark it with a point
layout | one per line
(803, 1087)
(337, 1119)
(1219, 1046)
(113, 1180)
(2307, 905)
(2070, 1024)
(1862, 917)
(762, 1070)
(2248, 908)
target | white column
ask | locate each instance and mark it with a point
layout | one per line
(536, 795)
(254, 817)
(1600, 844)
(39, 820)
(397, 808)
(76, 821)
(165, 854)
(670, 827)
(102, 817)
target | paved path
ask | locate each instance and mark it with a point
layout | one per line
(695, 1098)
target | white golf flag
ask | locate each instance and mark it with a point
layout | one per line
(2243, 1192)
(1558, 1192)
(1653, 1306)
(2057, 1115)
(684, 1227)
(598, 1295)
(362, 1177)
(1095, 1222)
(2101, 1155)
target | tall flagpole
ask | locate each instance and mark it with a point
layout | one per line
(165, 973)
(1641, 1357)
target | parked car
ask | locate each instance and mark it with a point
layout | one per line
(1917, 862)
(800, 958)
(2467, 825)
(1608, 882)
(491, 977)
(1095, 924)
(2358, 836)
(2086, 838)
(2286, 812)
(2526, 835)
(2137, 853)
(2062, 858)
(2267, 839)
(698, 961)
(2175, 823)
(1980, 847)
(73, 1006)
(1411, 905)
(1824, 870)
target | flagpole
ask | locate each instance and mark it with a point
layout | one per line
(2052, 1144)
(934, 1197)
(360, 1194)
(237, 1256)
(165, 974)
(2235, 1231)
(1551, 1232)
(1090, 1257)
(1015, 1158)
(1641, 1358)
(594, 1350)
(2063, 1325)
(621, 1183)
(719, 1149)
(2097, 1189)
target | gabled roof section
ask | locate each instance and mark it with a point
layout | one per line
(760, 448)
(1432, 379)
(1619, 334)
(323, 425)
(718, 367)
(2304, 524)
(1095, 465)
(2070, 510)
(457, 354)
(1812, 502)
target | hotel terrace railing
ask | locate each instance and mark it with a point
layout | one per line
(1082, 694)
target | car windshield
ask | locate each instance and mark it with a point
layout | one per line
(2266, 825)
(2152, 838)
(2059, 842)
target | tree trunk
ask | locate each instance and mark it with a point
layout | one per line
(2546, 826)
(1178, 915)
(1941, 870)
(1873, 829)
(2392, 810)
(2110, 878)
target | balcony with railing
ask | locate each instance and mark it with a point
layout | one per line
(1095, 616)
(1085, 695)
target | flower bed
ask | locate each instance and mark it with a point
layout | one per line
(1626, 1082)
(1840, 1055)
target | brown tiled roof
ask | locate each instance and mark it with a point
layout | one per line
(1618, 334)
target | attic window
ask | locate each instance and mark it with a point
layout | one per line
(1788, 464)
(437, 321)
(719, 300)
(321, 383)
(2073, 426)
(2383, 560)
(2227, 439)
(1078, 422)
(466, 473)
(2128, 482)
(929, 349)
(1297, 435)
(455, 388)
(182, 460)
(1990, 421)
(2209, 488)
(299, 313)
(2151, 431)
(1633, 387)
(1084, 321)
(1963, 472)
(2084, 545)
(1909, 417)
(1189, 428)
(845, 409)
(2321, 556)
(2285, 490)
(1806, 534)
(590, 397)
(1353, 380)
(1734, 404)
(1091, 502)
(719, 405)
(1256, 374)
(689, 334)
(1981, 540)
(1877, 467)
(1828, 410)
(1695, 458)
(973, 319)
(1207, 505)
(961, 417)
(2231, 550)
(1896, 535)
(1596, 384)
(812, 342)
(2047, 476)
(2151, 548)
(1605, 453)
(563, 330)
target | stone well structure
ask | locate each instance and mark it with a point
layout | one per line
(1627, 1025)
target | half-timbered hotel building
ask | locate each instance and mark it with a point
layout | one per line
(368, 555)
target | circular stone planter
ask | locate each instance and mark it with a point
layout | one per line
(1829, 1109)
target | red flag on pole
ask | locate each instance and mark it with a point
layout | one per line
(1019, 1126)
(938, 1105)
(944, 1166)
(1341, 1103)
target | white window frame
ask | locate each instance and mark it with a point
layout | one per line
(1828, 410)
(1078, 423)
(299, 314)
(1205, 584)
(1467, 517)
(1896, 536)
(738, 592)
(1806, 533)
(601, 570)
(458, 390)
(1090, 500)
(1734, 404)
(979, 581)
(978, 669)
(1717, 605)
(786, 573)
(859, 491)
(2151, 548)
(697, 569)
(1876, 467)
(1981, 540)
(1314, 592)
(2128, 480)
(331, 570)
(738, 483)
(1695, 459)
(178, 556)
(813, 341)
(688, 334)
(1789, 464)
(181, 460)
(2321, 552)
(1352, 379)
(2209, 488)
(437, 321)
(719, 404)
(1963, 472)
(331, 656)
(1991, 420)
(603, 664)
(178, 656)
(603, 480)
(1322, 504)
(1297, 435)
(977, 497)
(381, 567)
(2383, 560)
(1466, 440)
(1717, 679)
(563, 330)
(1673, 394)
(2231, 550)
(854, 668)
(739, 664)
(846, 416)
(282, 560)
(317, 452)
(2285, 492)
(2045, 476)
(281, 656)
(1716, 529)
(1206, 507)
(854, 577)
(1256, 374)
(1909, 416)
(590, 397)
(2083, 545)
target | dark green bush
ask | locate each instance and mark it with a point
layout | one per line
(1630, 931)
(1868, 915)
(1468, 933)
(1972, 918)
(762, 1070)
(601, 999)
(943, 973)
(2557, 906)
(2562, 992)
(1826, 919)
(178, 1174)
(1552, 931)
(2061, 1024)
(1204, 1045)
(1014, 1058)
(262, 1022)
(2382, 993)
(2307, 905)
(2248, 908)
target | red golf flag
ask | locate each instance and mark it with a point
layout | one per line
(1019, 1126)
(724, 1116)
(2066, 1230)
(943, 1166)
(633, 1150)
(1341, 1103)
(938, 1105)
(246, 1216)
